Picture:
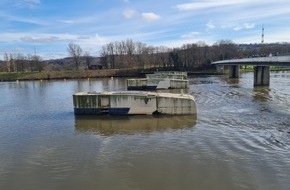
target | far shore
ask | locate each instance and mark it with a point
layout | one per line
(87, 74)
(82, 74)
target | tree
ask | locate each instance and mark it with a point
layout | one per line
(21, 63)
(88, 59)
(75, 52)
(12, 65)
(111, 55)
(227, 49)
(7, 62)
(35, 63)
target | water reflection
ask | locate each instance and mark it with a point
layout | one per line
(110, 125)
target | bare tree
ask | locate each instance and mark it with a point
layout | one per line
(75, 51)
(227, 49)
(35, 63)
(21, 63)
(88, 58)
(7, 62)
(111, 54)
(130, 46)
(104, 57)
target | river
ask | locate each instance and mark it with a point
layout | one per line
(240, 138)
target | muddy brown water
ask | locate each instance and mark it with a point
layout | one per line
(240, 138)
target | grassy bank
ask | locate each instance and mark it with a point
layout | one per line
(47, 75)
(72, 74)
(272, 68)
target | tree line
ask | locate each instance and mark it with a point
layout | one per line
(196, 56)
(138, 55)
(21, 63)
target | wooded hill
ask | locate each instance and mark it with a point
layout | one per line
(136, 55)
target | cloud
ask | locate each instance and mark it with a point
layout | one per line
(210, 25)
(191, 35)
(51, 38)
(237, 28)
(249, 25)
(67, 21)
(244, 26)
(39, 40)
(206, 4)
(22, 19)
(27, 3)
(100, 39)
(83, 37)
(129, 13)
(150, 16)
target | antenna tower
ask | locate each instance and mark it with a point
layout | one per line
(262, 38)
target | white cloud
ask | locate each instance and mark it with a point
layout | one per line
(244, 26)
(67, 21)
(206, 4)
(150, 16)
(50, 38)
(129, 13)
(84, 37)
(22, 19)
(39, 39)
(237, 28)
(249, 25)
(210, 25)
(191, 35)
(31, 1)
(27, 3)
(224, 17)
(56, 43)
(100, 39)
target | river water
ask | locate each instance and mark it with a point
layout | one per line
(240, 138)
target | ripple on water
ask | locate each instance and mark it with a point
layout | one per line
(240, 140)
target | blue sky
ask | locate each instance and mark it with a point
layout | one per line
(48, 26)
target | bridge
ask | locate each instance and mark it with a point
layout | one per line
(261, 67)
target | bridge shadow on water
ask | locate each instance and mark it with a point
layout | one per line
(108, 125)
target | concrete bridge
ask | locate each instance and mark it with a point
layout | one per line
(261, 67)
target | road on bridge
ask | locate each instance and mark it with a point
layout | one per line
(283, 61)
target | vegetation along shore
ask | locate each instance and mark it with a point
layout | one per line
(128, 58)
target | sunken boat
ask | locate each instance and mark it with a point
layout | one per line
(133, 103)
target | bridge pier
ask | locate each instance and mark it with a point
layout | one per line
(261, 75)
(261, 67)
(234, 71)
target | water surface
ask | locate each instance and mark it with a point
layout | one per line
(240, 138)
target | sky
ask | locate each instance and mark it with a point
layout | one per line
(46, 27)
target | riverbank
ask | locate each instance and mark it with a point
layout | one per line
(72, 74)
(272, 68)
